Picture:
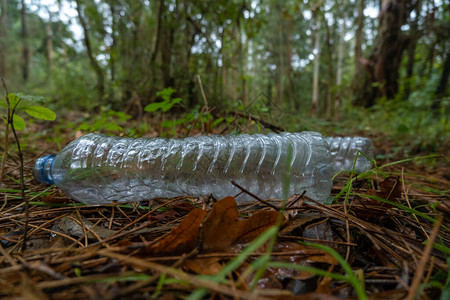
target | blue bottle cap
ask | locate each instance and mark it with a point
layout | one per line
(43, 169)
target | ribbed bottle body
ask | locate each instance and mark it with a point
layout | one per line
(345, 149)
(98, 169)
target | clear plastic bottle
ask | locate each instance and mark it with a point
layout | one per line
(345, 149)
(99, 169)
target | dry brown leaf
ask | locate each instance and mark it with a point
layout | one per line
(306, 255)
(372, 209)
(203, 266)
(219, 230)
(324, 286)
(298, 224)
(222, 228)
(182, 238)
(390, 189)
(256, 224)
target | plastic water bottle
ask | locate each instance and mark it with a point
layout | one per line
(344, 151)
(100, 169)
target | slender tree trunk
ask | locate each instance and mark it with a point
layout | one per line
(60, 30)
(236, 61)
(330, 92)
(411, 51)
(281, 64)
(443, 82)
(158, 31)
(3, 35)
(166, 47)
(25, 49)
(289, 91)
(337, 103)
(87, 42)
(357, 84)
(244, 71)
(224, 73)
(50, 51)
(315, 90)
(112, 52)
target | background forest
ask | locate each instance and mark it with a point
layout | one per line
(378, 66)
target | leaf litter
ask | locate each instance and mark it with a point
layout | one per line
(391, 228)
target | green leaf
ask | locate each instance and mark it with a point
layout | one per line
(152, 107)
(216, 122)
(113, 127)
(19, 122)
(166, 93)
(168, 123)
(40, 112)
(13, 100)
(169, 105)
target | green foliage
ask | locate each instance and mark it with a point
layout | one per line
(197, 117)
(167, 103)
(106, 120)
(19, 103)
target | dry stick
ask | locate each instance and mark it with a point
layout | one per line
(254, 196)
(203, 93)
(140, 284)
(195, 280)
(206, 107)
(409, 204)
(347, 230)
(423, 261)
(273, 127)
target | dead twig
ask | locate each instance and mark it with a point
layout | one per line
(423, 261)
(266, 124)
(254, 196)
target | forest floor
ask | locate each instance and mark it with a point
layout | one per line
(386, 236)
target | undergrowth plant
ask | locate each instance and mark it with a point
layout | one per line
(198, 117)
(15, 103)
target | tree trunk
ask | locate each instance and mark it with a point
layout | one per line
(50, 51)
(385, 59)
(3, 34)
(411, 51)
(357, 84)
(60, 30)
(330, 92)
(158, 32)
(112, 51)
(93, 61)
(337, 102)
(315, 92)
(25, 49)
(244, 71)
(443, 82)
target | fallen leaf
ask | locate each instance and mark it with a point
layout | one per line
(164, 216)
(182, 238)
(324, 286)
(72, 225)
(219, 230)
(222, 228)
(297, 225)
(203, 266)
(389, 189)
(372, 209)
(255, 225)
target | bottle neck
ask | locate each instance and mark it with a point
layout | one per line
(43, 169)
